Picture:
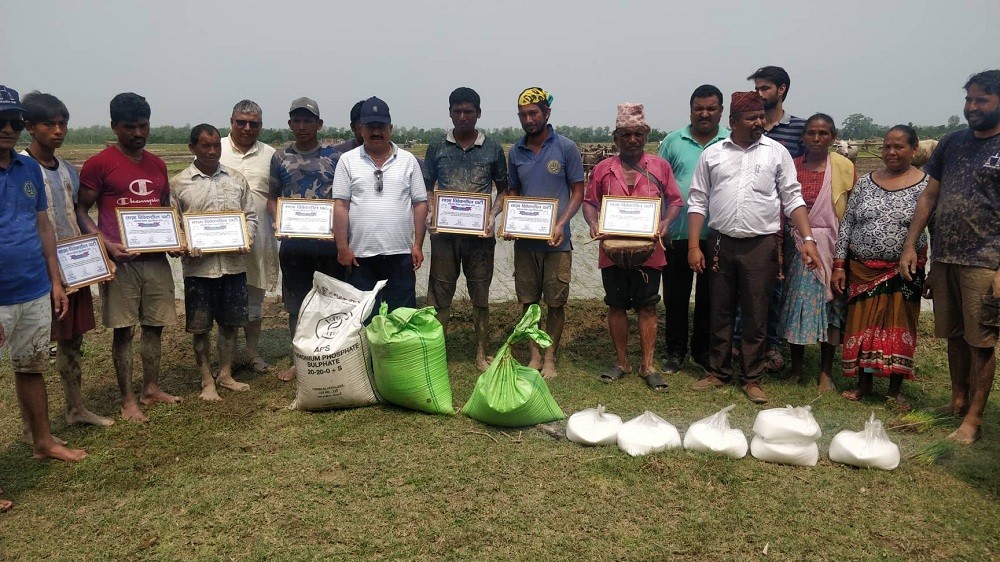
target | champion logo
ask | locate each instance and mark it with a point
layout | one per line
(140, 187)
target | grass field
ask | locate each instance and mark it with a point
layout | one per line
(248, 479)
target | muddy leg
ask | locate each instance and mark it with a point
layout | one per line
(149, 350)
(202, 351)
(227, 348)
(121, 355)
(68, 365)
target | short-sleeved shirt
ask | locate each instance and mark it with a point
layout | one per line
(24, 275)
(682, 151)
(255, 165)
(303, 175)
(788, 131)
(966, 228)
(381, 223)
(609, 178)
(62, 184)
(475, 169)
(549, 174)
(120, 182)
(192, 191)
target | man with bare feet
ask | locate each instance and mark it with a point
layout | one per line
(303, 170)
(242, 152)
(465, 160)
(142, 292)
(964, 279)
(215, 284)
(46, 119)
(545, 164)
(29, 277)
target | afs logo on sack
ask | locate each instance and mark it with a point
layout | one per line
(327, 327)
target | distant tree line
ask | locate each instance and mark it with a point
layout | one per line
(169, 134)
(859, 127)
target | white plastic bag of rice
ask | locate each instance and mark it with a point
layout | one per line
(714, 435)
(870, 448)
(787, 425)
(802, 453)
(647, 433)
(593, 426)
(333, 365)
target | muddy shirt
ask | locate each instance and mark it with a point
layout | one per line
(305, 175)
(471, 170)
(966, 227)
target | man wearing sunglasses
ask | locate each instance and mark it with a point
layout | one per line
(242, 152)
(304, 170)
(29, 274)
(379, 221)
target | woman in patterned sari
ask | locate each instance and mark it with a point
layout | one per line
(809, 311)
(880, 335)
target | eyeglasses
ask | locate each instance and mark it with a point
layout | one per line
(378, 181)
(16, 124)
(243, 123)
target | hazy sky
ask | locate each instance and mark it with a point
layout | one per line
(896, 61)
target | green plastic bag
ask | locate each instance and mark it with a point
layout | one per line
(509, 394)
(409, 360)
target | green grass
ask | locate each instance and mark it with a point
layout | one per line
(249, 479)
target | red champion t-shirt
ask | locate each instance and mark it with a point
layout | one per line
(120, 182)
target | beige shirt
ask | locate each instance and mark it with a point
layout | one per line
(255, 165)
(191, 191)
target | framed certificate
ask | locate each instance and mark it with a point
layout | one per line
(461, 213)
(149, 229)
(83, 261)
(529, 217)
(216, 232)
(305, 218)
(629, 216)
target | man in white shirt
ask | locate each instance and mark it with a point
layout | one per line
(742, 184)
(380, 217)
(242, 152)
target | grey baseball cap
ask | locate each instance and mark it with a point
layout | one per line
(309, 105)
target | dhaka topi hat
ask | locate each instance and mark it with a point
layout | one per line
(630, 115)
(532, 95)
(745, 101)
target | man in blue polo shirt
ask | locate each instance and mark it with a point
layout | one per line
(681, 149)
(29, 272)
(545, 164)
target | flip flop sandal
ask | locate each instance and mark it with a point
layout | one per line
(613, 374)
(654, 380)
(259, 365)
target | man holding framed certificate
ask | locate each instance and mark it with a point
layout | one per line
(465, 160)
(46, 119)
(303, 170)
(215, 278)
(649, 180)
(544, 164)
(121, 176)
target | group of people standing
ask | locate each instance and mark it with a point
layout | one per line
(780, 238)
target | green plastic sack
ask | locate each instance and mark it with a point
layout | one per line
(409, 360)
(509, 394)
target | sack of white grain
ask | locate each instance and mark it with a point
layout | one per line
(787, 425)
(802, 453)
(647, 433)
(714, 435)
(593, 426)
(333, 364)
(870, 448)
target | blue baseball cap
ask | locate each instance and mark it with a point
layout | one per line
(375, 110)
(9, 100)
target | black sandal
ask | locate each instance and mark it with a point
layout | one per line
(613, 374)
(654, 380)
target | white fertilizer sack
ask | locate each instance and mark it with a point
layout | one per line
(333, 365)
(803, 453)
(593, 427)
(787, 425)
(870, 448)
(648, 433)
(714, 435)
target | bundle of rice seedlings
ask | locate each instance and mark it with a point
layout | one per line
(933, 452)
(917, 421)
